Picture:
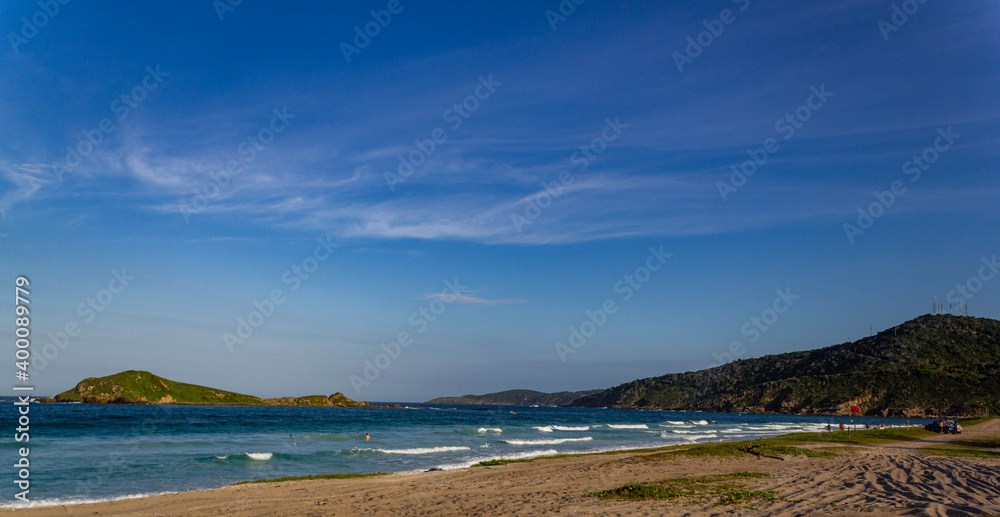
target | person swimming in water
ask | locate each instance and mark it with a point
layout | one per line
(367, 437)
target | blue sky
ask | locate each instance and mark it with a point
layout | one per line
(566, 148)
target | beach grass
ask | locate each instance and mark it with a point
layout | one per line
(984, 442)
(641, 492)
(721, 449)
(840, 449)
(762, 447)
(860, 437)
(976, 420)
(500, 461)
(497, 462)
(962, 452)
(981, 447)
(775, 446)
(742, 496)
(318, 476)
(789, 444)
(728, 489)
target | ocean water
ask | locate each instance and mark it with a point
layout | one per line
(84, 452)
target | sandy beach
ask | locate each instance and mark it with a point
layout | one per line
(891, 479)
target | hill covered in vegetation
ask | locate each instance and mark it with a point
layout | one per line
(139, 387)
(517, 398)
(928, 366)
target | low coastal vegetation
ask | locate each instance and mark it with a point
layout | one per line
(859, 437)
(141, 387)
(727, 489)
(793, 444)
(981, 447)
(764, 447)
(724, 449)
(309, 478)
(497, 462)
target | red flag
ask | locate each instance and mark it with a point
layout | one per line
(855, 409)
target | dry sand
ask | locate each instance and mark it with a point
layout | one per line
(895, 479)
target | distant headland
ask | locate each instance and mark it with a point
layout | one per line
(929, 366)
(517, 398)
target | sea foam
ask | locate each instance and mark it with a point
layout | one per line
(422, 450)
(571, 428)
(257, 456)
(72, 500)
(468, 462)
(550, 428)
(695, 437)
(548, 441)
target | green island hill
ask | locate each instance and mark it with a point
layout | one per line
(141, 387)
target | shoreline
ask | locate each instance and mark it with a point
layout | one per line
(567, 480)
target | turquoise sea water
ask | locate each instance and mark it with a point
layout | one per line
(83, 452)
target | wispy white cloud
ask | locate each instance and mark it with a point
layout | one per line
(27, 179)
(464, 298)
(326, 171)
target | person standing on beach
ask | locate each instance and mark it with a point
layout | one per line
(841, 426)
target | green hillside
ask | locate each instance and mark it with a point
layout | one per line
(517, 398)
(139, 387)
(927, 366)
